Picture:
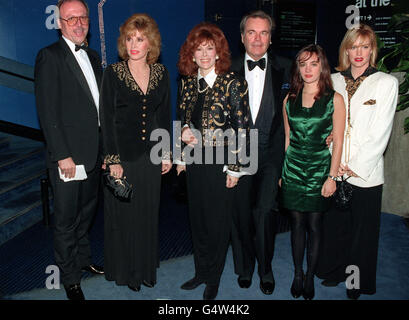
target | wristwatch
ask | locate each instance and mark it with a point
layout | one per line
(332, 177)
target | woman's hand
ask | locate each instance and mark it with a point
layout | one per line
(341, 170)
(180, 168)
(231, 181)
(344, 169)
(328, 188)
(166, 166)
(188, 137)
(116, 170)
(329, 139)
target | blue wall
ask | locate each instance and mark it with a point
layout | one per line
(23, 33)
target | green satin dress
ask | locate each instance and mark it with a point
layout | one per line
(307, 160)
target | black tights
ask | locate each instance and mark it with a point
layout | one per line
(301, 223)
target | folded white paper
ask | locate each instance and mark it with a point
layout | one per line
(80, 174)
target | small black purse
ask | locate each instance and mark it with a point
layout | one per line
(343, 195)
(119, 186)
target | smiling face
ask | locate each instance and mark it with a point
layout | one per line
(137, 46)
(359, 54)
(78, 32)
(205, 57)
(310, 67)
(256, 37)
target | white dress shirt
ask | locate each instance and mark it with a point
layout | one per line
(82, 58)
(255, 80)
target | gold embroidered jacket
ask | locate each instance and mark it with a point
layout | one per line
(128, 115)
(225, 108)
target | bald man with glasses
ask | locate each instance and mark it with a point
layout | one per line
(67, 79)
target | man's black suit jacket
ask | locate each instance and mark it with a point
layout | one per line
(271, 138)
(66, 109)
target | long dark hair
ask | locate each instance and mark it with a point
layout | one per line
(324, 82)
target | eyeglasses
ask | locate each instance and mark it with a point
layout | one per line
(74, 20)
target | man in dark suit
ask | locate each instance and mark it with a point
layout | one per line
(67, 78)
(267, 75)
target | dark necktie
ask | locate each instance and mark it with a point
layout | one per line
(252, 64)
(202, 84)
(83, 47)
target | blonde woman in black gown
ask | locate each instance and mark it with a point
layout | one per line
(135, 100)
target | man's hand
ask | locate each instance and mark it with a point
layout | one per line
(166, 166)
(67, 167)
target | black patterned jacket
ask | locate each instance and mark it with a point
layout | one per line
(226, 108)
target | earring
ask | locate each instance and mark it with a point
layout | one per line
(194, 60)
(217, 57)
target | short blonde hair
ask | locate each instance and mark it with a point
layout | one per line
(148, 27)
(364, 32)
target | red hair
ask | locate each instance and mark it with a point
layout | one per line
(324, 82)
(204, 32)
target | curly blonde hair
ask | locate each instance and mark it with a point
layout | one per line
(148, 27)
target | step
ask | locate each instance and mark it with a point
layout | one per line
(21, 174)
(22, 210)
(21, 222)
(4, 142)
(17, 200)
(10, 158)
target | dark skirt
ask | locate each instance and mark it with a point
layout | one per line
(351, 238)
(131, 245)
(210, 219)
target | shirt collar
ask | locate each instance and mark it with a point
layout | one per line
(210, 78)
(369, 71)
(247, 57)
(71, 45)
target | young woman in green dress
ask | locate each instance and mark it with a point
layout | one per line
(311, 110)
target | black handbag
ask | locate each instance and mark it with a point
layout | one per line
(119, 186)
(343, 194)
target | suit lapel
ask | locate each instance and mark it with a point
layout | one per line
(96, 66)
(76, 69)
(365, 91)
(267, 99)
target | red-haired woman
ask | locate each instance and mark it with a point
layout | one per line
(311, 111)
(214, 102)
